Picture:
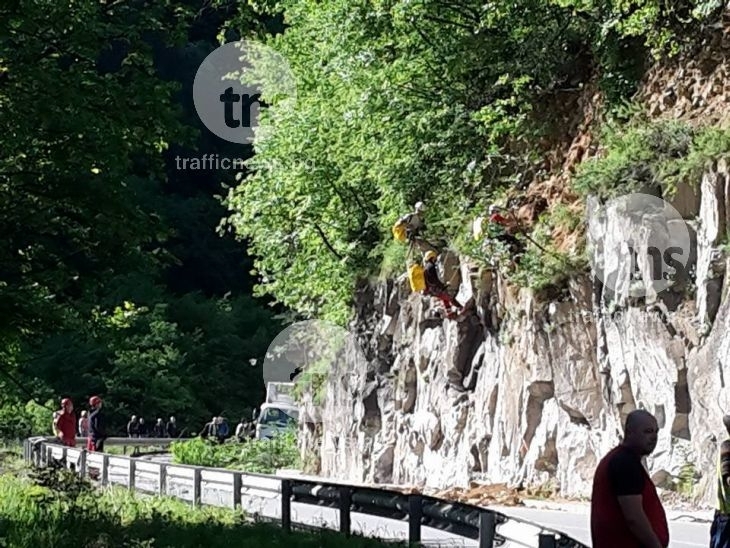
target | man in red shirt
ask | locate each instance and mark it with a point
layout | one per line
(625, 509)
(496, 217)
(501, 229)
(66, 423)
(720, 530)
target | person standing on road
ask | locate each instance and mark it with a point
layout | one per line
(158, 430)
(97, 427)
(625, 509)
(84, 424)
(66, 423)
(720, 530)
(133, 427)
(171, 428)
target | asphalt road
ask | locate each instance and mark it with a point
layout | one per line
(573, 521)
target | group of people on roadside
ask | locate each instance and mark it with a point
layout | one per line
(90, 425)
(137, 428)
(217, 430)
(626, 511)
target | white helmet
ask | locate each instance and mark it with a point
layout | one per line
(420, 207)
(493, 208)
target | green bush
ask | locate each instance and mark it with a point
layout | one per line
(639, 156)
(650, 156)
(255, 456)
(313, 380)
(544, 267)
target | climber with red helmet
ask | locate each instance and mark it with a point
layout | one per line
(503, 230)
(65, 423)
(97, 428)
(435, 287)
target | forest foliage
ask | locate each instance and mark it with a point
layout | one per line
(434, 100)
(115, 276)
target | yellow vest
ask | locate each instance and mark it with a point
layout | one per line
(416, 278)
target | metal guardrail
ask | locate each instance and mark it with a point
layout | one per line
(468, 521)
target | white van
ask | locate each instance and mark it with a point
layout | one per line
(280, 411)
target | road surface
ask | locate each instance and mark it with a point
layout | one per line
(573, 520)
(575, 523)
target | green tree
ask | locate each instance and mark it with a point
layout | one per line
(93, 217)
(81, 110)
(396, 102)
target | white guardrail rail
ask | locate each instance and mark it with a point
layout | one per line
(272, 497)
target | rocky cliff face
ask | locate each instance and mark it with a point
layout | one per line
(533, 391)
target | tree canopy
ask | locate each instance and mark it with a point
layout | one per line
(434, 100)
(113, 279)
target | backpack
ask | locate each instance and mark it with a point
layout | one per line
(399, 231)
(416, 278)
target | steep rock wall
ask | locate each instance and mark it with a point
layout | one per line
(532, 392)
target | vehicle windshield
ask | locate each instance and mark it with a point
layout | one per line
(272, 415)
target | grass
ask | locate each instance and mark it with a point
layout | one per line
(120, 449)
(56, 509)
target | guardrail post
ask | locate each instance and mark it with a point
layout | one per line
(64, 453)
(196, 487)
(286, 493)
(162, 484)
(546, 541)
(82, 463)
(345, 503)
(236, 490)
(487, 529)
(105, 470)
(132, 473)
(415, 514)
(49, 455)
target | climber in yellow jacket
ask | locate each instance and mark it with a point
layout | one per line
(409, 228)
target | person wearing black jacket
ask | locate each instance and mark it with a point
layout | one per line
(158, 430)
(133, 427)
(172, 428)
(97, 426)
(435, 287)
